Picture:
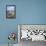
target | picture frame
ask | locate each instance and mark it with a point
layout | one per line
(10, 11)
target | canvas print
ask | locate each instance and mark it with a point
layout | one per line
(10, 11)
(33, 32)
(30, 35)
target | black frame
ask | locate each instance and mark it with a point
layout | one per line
(14, 11)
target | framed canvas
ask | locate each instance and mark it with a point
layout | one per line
(10, 11)
(33, 32)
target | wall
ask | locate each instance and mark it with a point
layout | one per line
(31, 11)
(27, 12)
(6, 25)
